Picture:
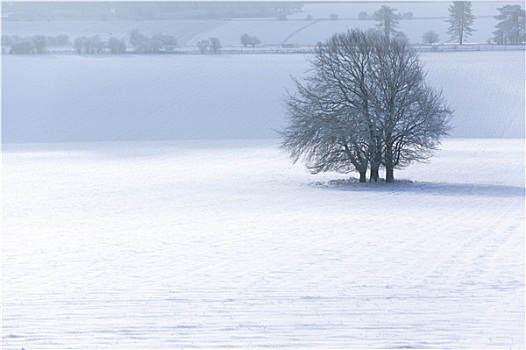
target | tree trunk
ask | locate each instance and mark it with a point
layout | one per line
(375, 174)
(363, 176)
(389, 166)
(389, 174)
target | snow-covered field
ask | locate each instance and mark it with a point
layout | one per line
(225, 243)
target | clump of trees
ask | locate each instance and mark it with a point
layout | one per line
(96, 45)
(510, 29)
(460, 21)
(250, 40)
(116, 46)
(140, 43)
(155, 44)
(36, 44)
(430, 37)
(364, 105)
(210, 46)
(91, 45)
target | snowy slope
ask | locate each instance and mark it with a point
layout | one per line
(225, 244)
(73, 98)
(486, 90)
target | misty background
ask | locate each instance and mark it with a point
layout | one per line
(64, 96)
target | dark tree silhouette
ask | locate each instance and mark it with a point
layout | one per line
(365, 104)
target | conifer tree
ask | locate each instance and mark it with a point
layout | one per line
(460, 20)
(510, 29)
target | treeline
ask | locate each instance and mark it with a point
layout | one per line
(35, 44)
(139, 43)
(146, 10)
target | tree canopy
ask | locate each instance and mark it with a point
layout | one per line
(364, 105)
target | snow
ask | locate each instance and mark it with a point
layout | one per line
(175, 244)
(112, 98)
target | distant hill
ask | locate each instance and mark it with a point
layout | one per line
(146, 10)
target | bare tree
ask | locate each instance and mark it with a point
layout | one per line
(430, 37)
(411, 115)
(330, 126)
(364, 105)
(139, 42)
(215, 45)
(460, 20)
(250, 40)
(39, 43)
(116, 46)
(363, 15)
(203, 46)
(80, 44)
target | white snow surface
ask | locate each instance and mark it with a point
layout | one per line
(226, 244)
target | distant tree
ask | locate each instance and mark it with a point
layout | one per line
(460, 21)
(154, 44)
(363, 15)
(203, 46)
(430, 37)
(407, 15)
(215, 45)
(247, 40)
(96, 44)
(333, 16)
(116, 46)
(80, 44)
(388, 20)
(51, 40)
(39, 43)
(352, 112)
(165, 42)
(401, 36)
(510, 29)
(140, 42)
(63, 40)
(21, 48)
